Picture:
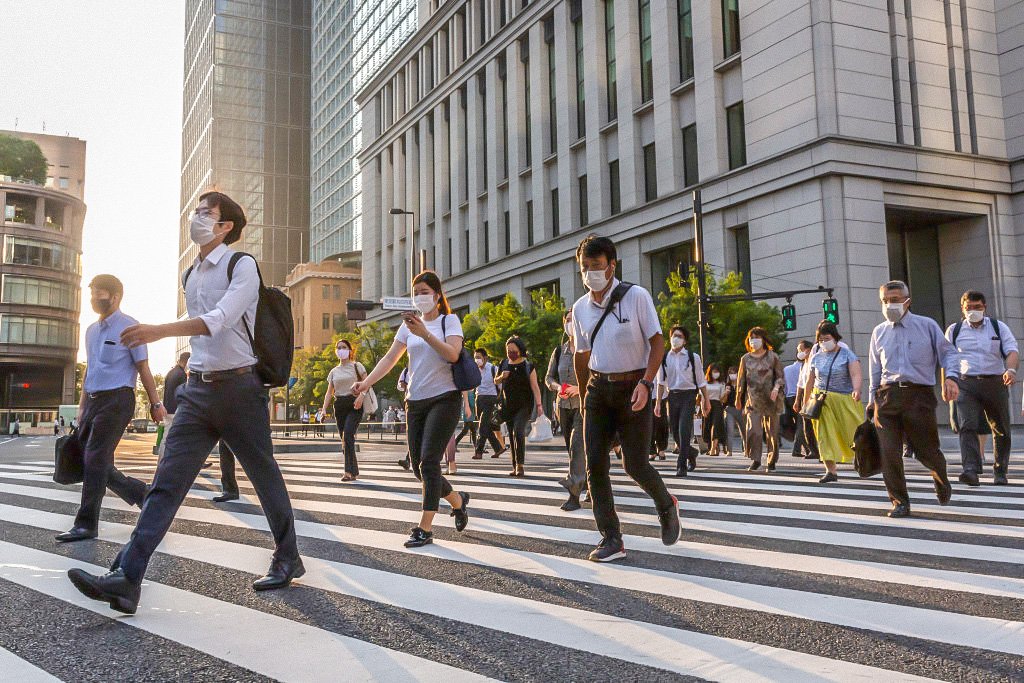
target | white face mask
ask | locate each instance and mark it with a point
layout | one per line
(424, 303)
(756, 343)
(893, 312)
(200, 229)
(715, 375)
(732, 376)
(677, 342)
(568, 328)
(829, 345)
(343, 353)
(975, 317)
(801, 355)
(480, 362)
(595, 280)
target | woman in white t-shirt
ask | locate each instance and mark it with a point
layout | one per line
(434, 342)
(348, 407)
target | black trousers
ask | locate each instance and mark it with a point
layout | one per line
(907, 413)
(227, 468)
(983, 398)
(103, 422)
(659, 435)
(681, 405)
(805, 442)
(235, 410)
(484, 410)
(348, 419)
(468, 427)
(432, 422)
(607, 413)
(518, 428)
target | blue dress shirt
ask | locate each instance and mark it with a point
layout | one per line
(109, 363)
(979, 347)
(909, 351)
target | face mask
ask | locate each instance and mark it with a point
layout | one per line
(424, 303)
(975, 317)
(829, 345)
(677, 342)
(479, 362)
(201, 230)
(102, 306)
(732, 377)
(595, 280)
(568, 328)
(756, 343)
(513, 355)
(715, 375)
(342, 353)
(800, 355)
(892, 312)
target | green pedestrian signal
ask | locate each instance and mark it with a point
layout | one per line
(830, 307)
(789, 317)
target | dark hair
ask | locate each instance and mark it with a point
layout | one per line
(762, 334)
(482, 351)
(828, 327)
(229, 211)
(804, 344)
(711, 368)
(344, 341)
(184, 356)
(108, 283)
(431, 279)
(972, 295)
(567, 313)
(517, 341)
(679, 328)
(593, 246)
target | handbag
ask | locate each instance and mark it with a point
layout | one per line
(867, 450)
(67, 459)
(811, 408)
(370, 403)
(465, 373)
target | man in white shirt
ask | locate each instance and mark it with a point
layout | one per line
(223, 398)
(618, 352)
(684, 377)
(486, 400)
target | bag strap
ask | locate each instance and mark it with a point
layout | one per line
(999, 336)
(614, 298)
(828, 379)
(235, 258)
(693, 368)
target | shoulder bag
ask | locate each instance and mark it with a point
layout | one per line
(465, 373)
(813, 405)
(370, 404)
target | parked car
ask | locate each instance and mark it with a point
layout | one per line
(141, 426)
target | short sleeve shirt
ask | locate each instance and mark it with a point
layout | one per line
(430, 375)
(623, 342)
(343, 376)
(111, 364)
(841, 382)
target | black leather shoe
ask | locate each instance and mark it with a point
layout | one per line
(405, 464)
(828, 478)
(691, 464)
(999, 480)
(572, 504)
(77, 534)
(462, 514)
(754, 466)
(225, 497)
(112, 588)
(943, 491)
(669, 519)
(280, 574)
(899, 510)
(419, 538)
(969, 478)
(770, 467)
(681, 472)
(811, 456)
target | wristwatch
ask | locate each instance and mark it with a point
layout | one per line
(158, 404)
(649, 384)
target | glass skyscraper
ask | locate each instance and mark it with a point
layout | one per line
(245, 126)
(351, 40)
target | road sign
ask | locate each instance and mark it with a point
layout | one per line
(292, 381)
(397, 303)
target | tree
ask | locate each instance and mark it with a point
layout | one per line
(22, 159)
(540, 326)
(729, 321)
(142, 398)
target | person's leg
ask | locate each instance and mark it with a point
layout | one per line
(923, 433)
(439, 422)
(415, 415)
(598, 430)
(342, 407)
(889, 424)
(635, 434)
(227, 469)
(675, 406)
(522, 426)
(774, 438)
(352, 420)
(997, 409)
(564, 417)
(969, 414)
(486, 404)
(684, 418)
(755, 437)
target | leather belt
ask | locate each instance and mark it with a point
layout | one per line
(984, 377)
(108, 392)
(906, 385)
(631, 376)
(220, 375)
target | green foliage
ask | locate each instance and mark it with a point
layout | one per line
(142, 398)
(540, 326)
(22, 159)
(729, 321)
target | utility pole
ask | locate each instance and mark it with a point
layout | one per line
(702, 292)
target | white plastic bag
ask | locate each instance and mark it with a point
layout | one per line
(541, 430)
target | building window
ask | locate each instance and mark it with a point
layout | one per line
(37, 292)
(613, 187)
(741, 243)
(524, 57)
(481, 83)
(325, 292)
(63, 183)
(508, 234)
(675, 259)
(584, 214)
(327, 321)
(554, 212)
(609, 51)
(731, 27)
(546, 289)
(19, 329)
(465, 248)
(23, 251)
(503, 78)
(549, 39)
(737, 136)
(646, 63)
(463, 96)
(581, 108)
(685, 40)
(690, 172)
(339, 322)
(487, 242)
(503, 12)
(336, 290)
(529, 223)
(650, 173)
(482, 13)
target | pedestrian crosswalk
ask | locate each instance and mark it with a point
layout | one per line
(775, 578)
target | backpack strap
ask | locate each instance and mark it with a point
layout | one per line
(956, 330)
(613, 300)
(235, 258)
(693, 367)
(184, 276)
(999, 336)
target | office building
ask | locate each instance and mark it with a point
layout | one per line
(318, 292)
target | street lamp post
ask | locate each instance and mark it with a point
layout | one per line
(409, 237)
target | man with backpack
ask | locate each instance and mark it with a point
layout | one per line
(988, 368)
(234, 324)
(683, 373)
(618, 352)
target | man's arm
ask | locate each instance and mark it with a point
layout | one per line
(551, 378)
(641, 394)
(156, 410)
(82, 399)
(581, 363)
(137, 335)
(874, 369)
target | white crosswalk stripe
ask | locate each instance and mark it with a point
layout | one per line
(763, 558)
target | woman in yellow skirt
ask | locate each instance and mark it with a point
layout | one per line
(835, 372)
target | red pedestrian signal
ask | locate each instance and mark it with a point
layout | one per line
(25, 385)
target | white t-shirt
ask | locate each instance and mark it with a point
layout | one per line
(624, 342)
(429, 374)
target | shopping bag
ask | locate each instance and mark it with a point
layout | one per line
(541, 430)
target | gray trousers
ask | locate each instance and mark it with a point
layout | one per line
(571, 420)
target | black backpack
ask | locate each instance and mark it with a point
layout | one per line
(995, 325)
(272, 337)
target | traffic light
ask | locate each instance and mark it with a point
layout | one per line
(789, 317)
(355, 309)
(830, 308)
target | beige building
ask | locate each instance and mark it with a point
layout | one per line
(318, 292)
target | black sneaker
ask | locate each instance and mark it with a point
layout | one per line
(669, 519)
(572, 504)
(462, 514)
(754, 466)
(611, 548)
(405, 464)
(419, 538)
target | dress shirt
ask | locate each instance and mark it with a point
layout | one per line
(562, 372)
(979, 347)
(909, 351)
(624, 341)
(225, 308)
(792, 373)
(678, 375)
(109, 363)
